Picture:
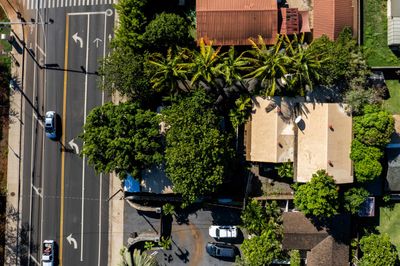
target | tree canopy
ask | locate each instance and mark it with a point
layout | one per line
(121, 138)
(131, 24)
(319, 197)
(196, 148)
(123, 71)
(377, 250)
(257, 218)
(372, 131)
(167, 30)
(374, 127)
(354, 198)
(261, 250)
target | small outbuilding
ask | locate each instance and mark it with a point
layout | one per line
(393, 27)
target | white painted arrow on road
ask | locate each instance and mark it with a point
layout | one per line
(78, 39)
(97, 40)
(37, 190)
(74, 146)
(73, 240)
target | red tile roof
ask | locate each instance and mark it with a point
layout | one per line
(233, 22)
(331, 16)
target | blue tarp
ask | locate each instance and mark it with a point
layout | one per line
(131, 184)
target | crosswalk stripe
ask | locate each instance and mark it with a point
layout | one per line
(43, 4)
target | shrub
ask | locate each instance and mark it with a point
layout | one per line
(367, 169)
(295, 259)
(354, 198)
(360, 151)
(377, 251)
(374, 127)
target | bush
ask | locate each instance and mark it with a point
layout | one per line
(358, 98)
(354, 198)
(377, 251)
(374, 127)
(360, 151)
(295, 259)
(165, 31)
(367, 169)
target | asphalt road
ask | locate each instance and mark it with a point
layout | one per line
(62, 197)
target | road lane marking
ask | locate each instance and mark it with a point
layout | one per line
(63, 141)
(101, 174)
(72, 240)
(74, 146)
(37, 191)
(84, 122)
(34, 260)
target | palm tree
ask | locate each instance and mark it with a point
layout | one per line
(202, 63)
(304, 67)
(136, 259)
(169, 73)
(270, 64)
(231, 66)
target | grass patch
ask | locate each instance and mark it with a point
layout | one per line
(392, 105)
(375, 34)
(389, 223)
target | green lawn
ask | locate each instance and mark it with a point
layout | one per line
(392, 105)
(375, 34)
(389, 222)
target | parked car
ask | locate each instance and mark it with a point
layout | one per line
(223, 231)
(50, 127)
(220, 250)
(48, 253)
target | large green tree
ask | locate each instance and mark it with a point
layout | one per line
(121, 138)
(167, 31)
(257, 218)
(319, 197)
(137, 258)
(131, 24)
(377, 250)
(197, 149)
(123, 71)
(261, 250)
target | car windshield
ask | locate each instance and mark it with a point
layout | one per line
(47, 249)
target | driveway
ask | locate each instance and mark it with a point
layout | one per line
(189, 233)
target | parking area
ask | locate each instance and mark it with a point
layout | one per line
(189, 233)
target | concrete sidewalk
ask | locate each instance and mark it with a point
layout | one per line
(14, 148)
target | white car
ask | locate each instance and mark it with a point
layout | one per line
(48, 253)
(223, 231)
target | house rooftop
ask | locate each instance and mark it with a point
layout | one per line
(324, 142)
(233, 22)
(321, 139)
(326, 244)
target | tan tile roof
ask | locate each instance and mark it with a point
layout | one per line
(271, 138)
(324, 143)
(233, 22)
